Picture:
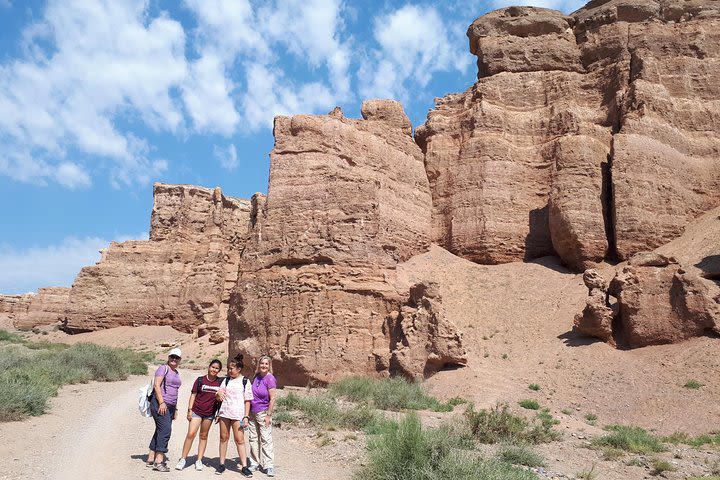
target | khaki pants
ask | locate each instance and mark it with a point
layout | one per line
(261, 444)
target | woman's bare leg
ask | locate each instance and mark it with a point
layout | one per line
(202, 443)
(224, 438)
(239, 442)
(193, 427)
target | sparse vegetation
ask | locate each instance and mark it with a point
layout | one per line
(630, 439)
(566, 411)
(587, 474)
(660, 466)
(520, 455)
(591, 418)
(32, 372)
(529, 404)
(504, 356)
(499, 425)
(534, 387)
(693, 384)
(410, 452)
(389, 394)
(322, 411)
(612, 453)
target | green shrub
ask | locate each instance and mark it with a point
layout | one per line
(322, 411)
(630, 439)
(520, 455)
(693, 384)
(408, 452)
(529, 404)
(591, 418)
(534, 387)
(32, 372)
(10, 337)
(587, 474)
(660, 466)
(499, 425)
(389, 394)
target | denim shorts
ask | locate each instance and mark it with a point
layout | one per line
(195, 415)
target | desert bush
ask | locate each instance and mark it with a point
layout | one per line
(499, 425)
(529, 404)
(389, 394)
(661, 466)
(10, 337)
(693, 384)
(30, 373)
(433, 454)
(534, 387)
(323, 411)
(630, 439)
(520, 455)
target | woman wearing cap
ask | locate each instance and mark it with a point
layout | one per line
(163, 409)
(261, 408)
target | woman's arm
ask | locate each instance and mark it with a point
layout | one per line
(271, 406)
(162, 409)
(191, 402)
(246, 419)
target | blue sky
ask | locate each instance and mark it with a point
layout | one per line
(99, 99)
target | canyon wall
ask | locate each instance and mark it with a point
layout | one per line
(348, 200)
(182, 276)
(594, 135)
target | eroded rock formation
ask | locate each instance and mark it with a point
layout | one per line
(45, 307)
(655, 299)
(182, 276)
(348, 200)
(586, 135)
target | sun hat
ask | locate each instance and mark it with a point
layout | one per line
(175, 351)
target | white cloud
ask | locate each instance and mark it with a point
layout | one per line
(414, 44)
(71, 175)
(207, 96)
(226, 156)
(270, 94)
(26, 270)
(87, 63)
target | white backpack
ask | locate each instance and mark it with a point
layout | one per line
(144, 394)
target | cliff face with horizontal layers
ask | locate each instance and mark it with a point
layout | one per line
(592, 136)
(182, 276)
(589, 135)
(348, 200)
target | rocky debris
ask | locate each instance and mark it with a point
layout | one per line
(348, 201)
(590, 135)
(596, 320)
(182, 276)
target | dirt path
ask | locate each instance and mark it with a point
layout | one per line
(94, 430)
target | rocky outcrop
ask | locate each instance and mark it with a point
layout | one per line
(655, 299)
(181, 277)
(348, 200)
(590, 135)
(45, 307)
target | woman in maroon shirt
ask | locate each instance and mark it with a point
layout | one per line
(201, 412)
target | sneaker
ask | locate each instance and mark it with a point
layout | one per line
(270, 472)
(246, 471)
(199, 465)
(253, 467)
(180, 465)
(149, 464)
(219, 470)
(161, 467)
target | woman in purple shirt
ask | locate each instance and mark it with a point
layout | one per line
(163, 409)
(261, 407)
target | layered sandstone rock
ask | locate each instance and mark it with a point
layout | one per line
(583, 133)
(12, 306)
(181, 277)
(45, 307)
(655, 298)
(348, 200)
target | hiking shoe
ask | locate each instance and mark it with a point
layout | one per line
(219, 470)
(270, 472)
(161, 467)
(199, 465)
(149, 464)
(246, 471)
(253, 467)
(180, 465)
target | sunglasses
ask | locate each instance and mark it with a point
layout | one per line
(174, 357)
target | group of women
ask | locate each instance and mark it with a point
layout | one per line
(235, 402)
